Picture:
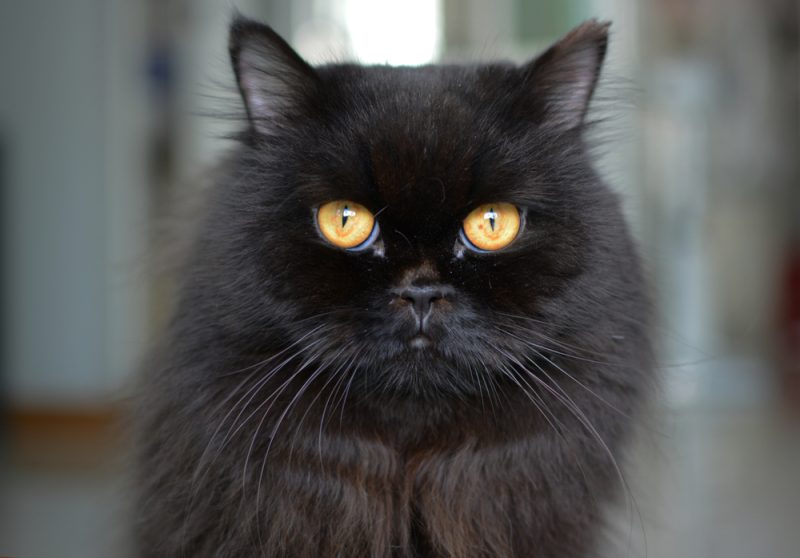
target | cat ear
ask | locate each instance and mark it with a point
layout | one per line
(564, 77)
(276, 84)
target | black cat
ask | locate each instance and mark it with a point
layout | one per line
(414, 322)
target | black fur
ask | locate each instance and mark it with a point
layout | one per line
(286, 412)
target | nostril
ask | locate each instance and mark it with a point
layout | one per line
(434, 296)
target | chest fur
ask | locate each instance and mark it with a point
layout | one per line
(466, 502)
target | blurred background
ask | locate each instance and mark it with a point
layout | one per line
(103, 121)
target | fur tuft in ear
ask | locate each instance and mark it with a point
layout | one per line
(276, 84)
(565, 76)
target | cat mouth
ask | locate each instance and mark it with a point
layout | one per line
(420, 341)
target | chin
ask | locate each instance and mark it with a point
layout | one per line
(420, 368)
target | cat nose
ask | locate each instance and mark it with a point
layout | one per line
(422, 298)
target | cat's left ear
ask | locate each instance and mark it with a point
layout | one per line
(276, 84)
(563, 79)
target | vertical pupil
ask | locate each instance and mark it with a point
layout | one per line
(491, 215)
(345, 215)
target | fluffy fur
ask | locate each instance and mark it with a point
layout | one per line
(286, 413)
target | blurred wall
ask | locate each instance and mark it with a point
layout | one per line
(70, 122)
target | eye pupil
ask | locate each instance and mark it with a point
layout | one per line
(490, 216)
(346, 215)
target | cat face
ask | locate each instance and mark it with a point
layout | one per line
(416, 224)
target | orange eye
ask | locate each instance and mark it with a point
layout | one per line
(491, 226)
(347, 224)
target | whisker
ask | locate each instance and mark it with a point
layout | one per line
(332, 375)
(538, 350)
(272, 399)
(276, 355)
(550, 349)
(529, 394)
(573, 407)
(272, 435)
(580, 353)
(341, 373)
(264, 381)
(561, 432)
(346, 390)
(204, 462)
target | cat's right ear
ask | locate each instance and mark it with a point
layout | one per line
(276, 84)
(563, 79)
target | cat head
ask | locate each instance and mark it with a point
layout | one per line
(420, 225)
